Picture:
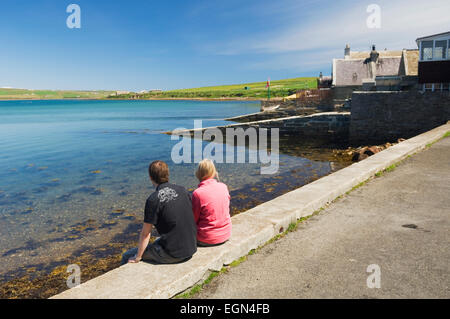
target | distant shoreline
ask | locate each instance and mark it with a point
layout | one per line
(189, 99)
(149, 99)
(255, 91)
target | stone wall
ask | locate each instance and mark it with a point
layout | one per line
(267, 115)
(323, 100)
(379, 117)
(324, 127)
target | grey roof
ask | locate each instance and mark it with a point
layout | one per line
(433, 35)
(382, 54)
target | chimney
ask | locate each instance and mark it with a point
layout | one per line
(347, 52)
(374, 54)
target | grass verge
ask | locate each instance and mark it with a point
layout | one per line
(444, 136)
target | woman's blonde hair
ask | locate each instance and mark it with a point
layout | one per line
(206, 169)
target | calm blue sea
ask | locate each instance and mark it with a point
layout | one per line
(63, 163)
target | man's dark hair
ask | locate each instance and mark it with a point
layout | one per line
(159, 172)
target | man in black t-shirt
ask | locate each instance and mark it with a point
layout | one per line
(169, 209)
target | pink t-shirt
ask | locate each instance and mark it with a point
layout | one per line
(211, 206)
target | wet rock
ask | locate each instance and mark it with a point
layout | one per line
(12, 252)
(56, 240)
(29, 210)
(128, 217)
(359, 155)
(108, 224)
(362, 153)
(19, 196)
(64, 198)
(89, 190)
(78, 228)
(372, 150)
(73, 237)
(117, 212)
(40, 190)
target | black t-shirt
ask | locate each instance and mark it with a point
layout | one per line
(169, 208)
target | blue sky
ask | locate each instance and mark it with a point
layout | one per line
(137, 45)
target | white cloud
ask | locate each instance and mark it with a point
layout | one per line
(300, 62)
(402, 21)
(310, 46)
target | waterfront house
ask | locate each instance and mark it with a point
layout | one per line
(384, 70)
(434, 62)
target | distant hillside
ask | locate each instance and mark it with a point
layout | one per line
(23, 94)
(258, 90)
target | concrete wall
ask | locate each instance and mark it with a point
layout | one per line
(320, 99)
(344, 92)
(378, 117)
(267, 115)
(328, 126)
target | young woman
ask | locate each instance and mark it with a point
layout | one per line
(211, 207)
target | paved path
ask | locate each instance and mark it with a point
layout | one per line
(327, 257)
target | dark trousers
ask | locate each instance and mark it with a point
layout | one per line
(153, 253)
(202, 244)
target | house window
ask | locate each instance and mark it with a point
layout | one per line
(440, 50)
(427, 50)
(448, 50)
(445, 86)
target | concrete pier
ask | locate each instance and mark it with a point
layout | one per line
(323, 126)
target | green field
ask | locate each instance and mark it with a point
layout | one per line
(257, 90)
(23, 94)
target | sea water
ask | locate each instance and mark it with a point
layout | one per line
(67, 165)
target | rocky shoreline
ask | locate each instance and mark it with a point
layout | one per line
(363, 152)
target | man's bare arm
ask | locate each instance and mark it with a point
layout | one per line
(144, 239)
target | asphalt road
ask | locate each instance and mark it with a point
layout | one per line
(399, 222)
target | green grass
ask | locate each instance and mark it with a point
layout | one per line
(386, 170)
(447, 134)
(23, 94)
(256, 90)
